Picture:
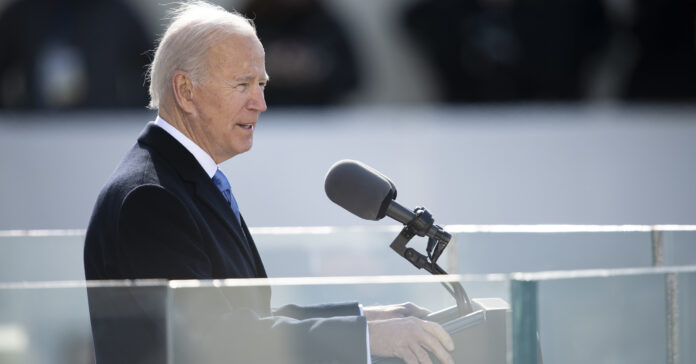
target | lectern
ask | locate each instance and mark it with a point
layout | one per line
(480, 337)
(478, 327)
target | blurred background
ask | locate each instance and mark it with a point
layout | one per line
(484, 111)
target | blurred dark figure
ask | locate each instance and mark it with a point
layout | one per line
(472, 46)
(562, 41)
(501, 50)
(66, 54)
(308, 55)
(665, 32)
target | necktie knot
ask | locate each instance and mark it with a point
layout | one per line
(223, 185)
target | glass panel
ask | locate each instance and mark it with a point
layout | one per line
(602, 320)
(686, 317)
(53, 256)
(213, 321)
(617, 315)
(605, 316)
(44, 325)
(591, 316)
(525, 319)
(345, 251)
(130, 322)
(679, 247)
(317, 320)
(53, 322)
(322, 252)
(533, 252)
(286, 252)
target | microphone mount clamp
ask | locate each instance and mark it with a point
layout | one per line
(421, 223)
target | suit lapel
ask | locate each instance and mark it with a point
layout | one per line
(260, 269)
(211, 196)
(190, 170)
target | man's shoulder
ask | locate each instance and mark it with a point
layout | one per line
(138, 167)
(141, 166)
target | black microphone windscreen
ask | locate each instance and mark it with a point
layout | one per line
(359, 189)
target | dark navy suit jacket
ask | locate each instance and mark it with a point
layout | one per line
(161, 216)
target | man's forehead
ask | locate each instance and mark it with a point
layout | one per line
(242, 56)
(242, 41)
(237, 46)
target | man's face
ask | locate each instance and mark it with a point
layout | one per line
(229, 98)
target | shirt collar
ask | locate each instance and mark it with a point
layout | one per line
(203, 158)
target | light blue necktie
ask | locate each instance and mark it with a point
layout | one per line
(224, 186)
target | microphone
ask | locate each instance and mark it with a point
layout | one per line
(370, 195)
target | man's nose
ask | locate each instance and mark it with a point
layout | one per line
(258, 101)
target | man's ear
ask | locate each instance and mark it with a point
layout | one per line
(183, 91)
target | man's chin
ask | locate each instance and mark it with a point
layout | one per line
(243, 149)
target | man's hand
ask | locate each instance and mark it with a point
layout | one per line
(407, 309)
(410, 339)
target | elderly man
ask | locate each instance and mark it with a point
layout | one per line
(168, 211)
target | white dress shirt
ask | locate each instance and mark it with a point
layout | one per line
(203, 158)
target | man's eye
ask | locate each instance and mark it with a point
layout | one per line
(262, 85)
(242, 86)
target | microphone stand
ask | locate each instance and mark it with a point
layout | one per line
(419, 225)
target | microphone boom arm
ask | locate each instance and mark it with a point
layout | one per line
(420, 225)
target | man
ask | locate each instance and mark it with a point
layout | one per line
(167, 211)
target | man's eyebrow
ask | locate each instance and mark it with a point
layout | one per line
(245, 78)
(249, 78)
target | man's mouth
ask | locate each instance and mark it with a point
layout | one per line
(249, 126)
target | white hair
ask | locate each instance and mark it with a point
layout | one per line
(195, 27)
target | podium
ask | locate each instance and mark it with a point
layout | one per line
(480, 337)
